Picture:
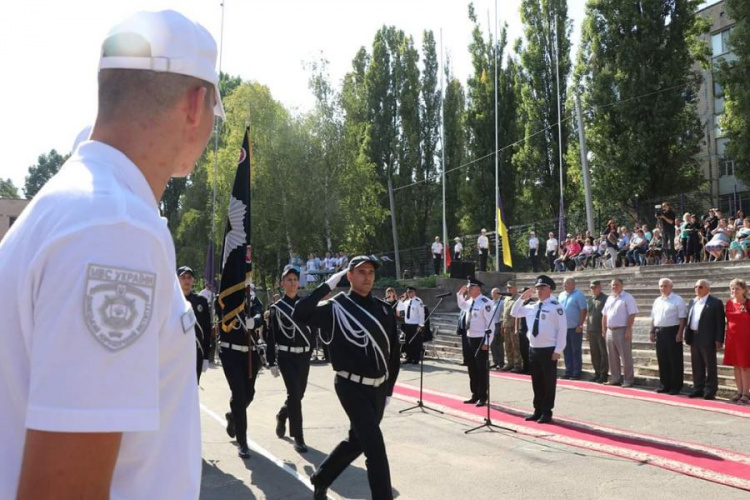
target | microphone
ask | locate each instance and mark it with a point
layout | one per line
(442, 295)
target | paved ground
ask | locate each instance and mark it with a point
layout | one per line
(432, 458)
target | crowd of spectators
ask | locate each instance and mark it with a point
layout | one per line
(315, 267)
(674, 241)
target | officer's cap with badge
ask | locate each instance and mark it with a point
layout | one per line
(184, 269)
(474, 282)
(544, 280)
(363, 259)
(289, 269)
(410, 289)
(595, 283)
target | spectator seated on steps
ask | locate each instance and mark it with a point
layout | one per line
(720, 240)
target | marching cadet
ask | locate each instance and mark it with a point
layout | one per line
(289, 346)
(364, 354)
(478, 324)
(202, 315)
(241, 362)
(412, 310)
(547, 327)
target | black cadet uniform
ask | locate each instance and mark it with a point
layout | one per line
(238, 351)
(202, 329)
(289, 344)
(413, 314)
(364, 349)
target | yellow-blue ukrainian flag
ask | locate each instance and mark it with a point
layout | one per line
(502, 231)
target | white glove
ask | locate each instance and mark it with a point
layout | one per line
(333, 281)
(274, 371)
(387, 401)
(250, 323)
(205, 366)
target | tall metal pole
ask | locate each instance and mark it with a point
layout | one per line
(446, 247)
(393, 227)
(559, 116)
(217, 122)
(585, 167)
(497, 154)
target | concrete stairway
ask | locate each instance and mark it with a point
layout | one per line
(641, 282)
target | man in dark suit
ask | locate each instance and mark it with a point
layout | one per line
(704, 334)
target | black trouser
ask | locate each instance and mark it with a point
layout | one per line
(483, 253)
(534, 256)
(668, 231)
(543, 378)
(237, 373)
(436, 259)
(294, 370)
(413, 346)
(703, 360)
(199, 364)
(551, 260)
(669, 356)
(523, 343)
(477, 364)
(599, 356)
(496, 347)
(364, 405)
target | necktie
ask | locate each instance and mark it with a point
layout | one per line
(468, 315)
(408, 309)
(535, 330)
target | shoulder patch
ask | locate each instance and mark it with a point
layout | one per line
(488, 308)
(118, 304)
(560, 311)
(554, 302)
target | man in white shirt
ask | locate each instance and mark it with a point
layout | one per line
(547, 331)
(618, 317)
(667, 327)
(478, 324)
(437, 254)
(458, 248)
(534, 251)
(91, 268)
(553, 248)
(483, 245)
(411, 309)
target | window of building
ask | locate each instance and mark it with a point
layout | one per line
(720, 42)
(726, 166)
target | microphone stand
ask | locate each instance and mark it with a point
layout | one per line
(487, 420)
(420, 403)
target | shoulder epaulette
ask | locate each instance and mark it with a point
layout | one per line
(554, 302)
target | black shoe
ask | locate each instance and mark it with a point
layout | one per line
(300, 446)
(243, 452)
(516, 370)
(696, 394)
(662, 390)
(230, 424)
(320, 493)
(709, 396)
(674, 393)
(481, 402)
(595, 378)
(280, 425)
(533, 417)
(545, 418)
(470, 401)
(565, 377)
(507, 368)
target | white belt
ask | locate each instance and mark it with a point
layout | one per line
(236, 347)
(295, 350)
(375, 382)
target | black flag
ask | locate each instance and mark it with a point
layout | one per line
(235, 262)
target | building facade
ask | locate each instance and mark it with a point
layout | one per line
(727, 192)
(10, 209)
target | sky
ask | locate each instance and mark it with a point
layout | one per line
(50, 51)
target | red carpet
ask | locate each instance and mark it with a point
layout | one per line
(704, 462)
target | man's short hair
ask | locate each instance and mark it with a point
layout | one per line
(617, 280)
(665, 281)
(569, 279)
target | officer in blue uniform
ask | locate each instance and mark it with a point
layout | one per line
(241, 362)
(547, 332)
(202, 316)
(290, 345)
(364, 351)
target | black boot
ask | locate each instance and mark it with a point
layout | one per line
(320, 492)
(244, 451)
(280, 425)
(230, 424)
(299, 445)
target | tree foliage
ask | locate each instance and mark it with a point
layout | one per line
(8, 189)
(734, 75)
(639, 92)
(46, 166)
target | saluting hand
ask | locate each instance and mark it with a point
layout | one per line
(527, 294)
(462, 290)
(333, 281)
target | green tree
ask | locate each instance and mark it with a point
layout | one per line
(8, 189)
(455, 149)
(734, 76)
(545, 59)
(430, 122)
(642, 127)
(47, 165)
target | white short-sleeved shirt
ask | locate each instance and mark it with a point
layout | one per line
(668, 311)
(483, 242)
(437, 247)
(552, 245)
(97, 334)
(552, 331)
(479, 312)
(618, 309)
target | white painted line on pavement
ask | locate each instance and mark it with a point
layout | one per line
(264, 452)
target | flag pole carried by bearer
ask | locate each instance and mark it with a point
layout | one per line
(236, 264)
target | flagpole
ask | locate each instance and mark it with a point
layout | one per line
(442, 152)
(559, 118)
(497, 169)
(217, 122)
